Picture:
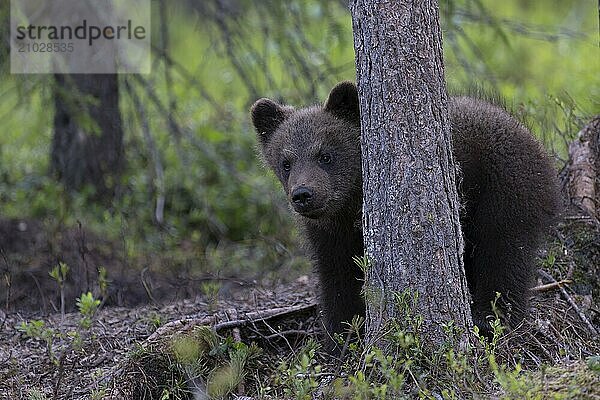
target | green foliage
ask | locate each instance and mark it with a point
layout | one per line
(98, 394)
(298, 377)
(222, 363)
(528, 52)
(210, 289)
(381, 378)
(593, 363)
(362, 262)
(407, 368)
(69, 340)
(549, 261)
(155, 320)
(194, 179)
(36, 394)
(87, 306)
(511, 379)
(36, 329)
(59, 273)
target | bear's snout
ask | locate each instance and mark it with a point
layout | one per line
(307, 202)
(301, 198)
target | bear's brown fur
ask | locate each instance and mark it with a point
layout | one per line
(508, 190)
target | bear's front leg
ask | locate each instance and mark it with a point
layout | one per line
(341, 298)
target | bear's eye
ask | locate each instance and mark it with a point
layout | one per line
(286, 165)
(325, 158)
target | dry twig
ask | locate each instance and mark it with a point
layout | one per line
(571, 302)
(185, 325)
(552, 285)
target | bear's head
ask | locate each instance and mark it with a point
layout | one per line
(315, 152)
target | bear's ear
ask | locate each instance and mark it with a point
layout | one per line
(267, 116)
(343, 102)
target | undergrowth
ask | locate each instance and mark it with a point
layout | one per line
(61, 344)
(207, 364)
(201, 363)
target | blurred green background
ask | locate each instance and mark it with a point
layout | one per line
(192, 210)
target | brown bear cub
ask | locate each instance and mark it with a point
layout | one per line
(508, 191)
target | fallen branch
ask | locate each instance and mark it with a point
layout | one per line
(185, 325)
(552, 285)
(571, 302)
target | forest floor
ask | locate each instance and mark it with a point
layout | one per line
(68, 371)
(120, 352)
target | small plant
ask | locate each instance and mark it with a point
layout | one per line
(98, 394)
(222, 364)
(70, 341)
(155, 320)
(362, 262)
(87, 306)
(36, 394)
(549, 261)
(593, 363)
(36, 329)
(210, 290)
(59, 274)
(497, 329)
(299, 376)
(103, 282)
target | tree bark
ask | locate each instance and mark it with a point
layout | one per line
(87, 146)
(581, 176)
(411, 209)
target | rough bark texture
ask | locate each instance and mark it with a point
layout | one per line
(411, 209)
(87, 147)
(581, 177)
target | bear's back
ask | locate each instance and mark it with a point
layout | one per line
(501, 162)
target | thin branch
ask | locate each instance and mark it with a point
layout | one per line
(156, 157)
(534, 31)
(229, 48)
(551, 286)
(164, 41)
(571, 302)
(206, 150)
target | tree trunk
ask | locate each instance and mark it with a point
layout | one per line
(581, 177)
(87, 147)
(411, 209)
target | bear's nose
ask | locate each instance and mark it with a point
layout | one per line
(301, 196)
